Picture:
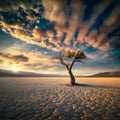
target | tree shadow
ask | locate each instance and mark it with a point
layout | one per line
(90, 86)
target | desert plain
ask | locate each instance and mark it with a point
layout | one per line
(49, 98)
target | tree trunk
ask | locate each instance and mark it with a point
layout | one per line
(72, 78)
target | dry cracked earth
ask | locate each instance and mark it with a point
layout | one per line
(53, 101)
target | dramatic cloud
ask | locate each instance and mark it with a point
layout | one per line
(38, 34)
(13, 5)
(55, 10)
(53, 26)
(70, 22)
(15, 58)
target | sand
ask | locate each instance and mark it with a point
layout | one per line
(50, 99)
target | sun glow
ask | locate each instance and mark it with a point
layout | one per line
(15, 69)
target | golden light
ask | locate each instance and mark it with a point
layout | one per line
(15, 69)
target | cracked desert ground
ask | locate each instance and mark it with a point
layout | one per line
(48, 98)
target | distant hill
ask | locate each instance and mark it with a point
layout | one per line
(107, 74)
(8, 73)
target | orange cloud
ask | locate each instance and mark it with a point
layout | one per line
(96, 39)
(49, 34)
(21, 34)
(67, 20)
(7, 26)
(112, 22)
(26, 60)
(38, 34)
(54, 12)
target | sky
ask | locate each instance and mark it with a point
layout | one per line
(34, 31)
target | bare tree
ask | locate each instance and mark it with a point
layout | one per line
(75, 56)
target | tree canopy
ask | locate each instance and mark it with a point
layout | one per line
(78, 55)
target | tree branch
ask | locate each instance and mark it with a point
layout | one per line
(79, 61)
(72, 64)
(62, 62)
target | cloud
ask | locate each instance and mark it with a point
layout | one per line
(62, 15)
(50, 34)
(91, 36)
(14, 58)
(76, 9)
(26, 60)
(13, 5)
(113, 18)
(22, 35)
(55, 10)
(38, 34)
(9, 26)
(60, 25)
(20, 58)
(31, 18)
(35, 36)
(35, 57)
(95, 40)
(112, 22)
(1, 61)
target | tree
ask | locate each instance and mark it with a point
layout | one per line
(75, 56)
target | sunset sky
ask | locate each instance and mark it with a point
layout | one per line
(34, 31)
